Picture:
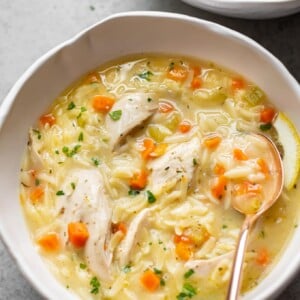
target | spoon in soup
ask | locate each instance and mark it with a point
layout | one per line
(272, 195)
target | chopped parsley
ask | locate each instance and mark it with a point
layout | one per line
(162, 282)
(71, 105)
(151, 198)
(82, 109)
(56, 152)
(95, 285)
(224, 226)
(133, 192)
(195, 163)
(116, 115)
(73, 185)
(82, 266)
(188, 274)
(95, 161)
(60, 193)
(127, 269)
(188, 291)
(80, 137)
(146, 75)
(265, 127)
(171, 66)
(37, 182)
(149, 99)
(157, 271)
(38, 133)
(70, 152)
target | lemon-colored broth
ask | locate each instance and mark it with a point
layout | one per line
(213, 108)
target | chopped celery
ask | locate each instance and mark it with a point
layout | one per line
(253, 96)
(158, 132)
(172, 120)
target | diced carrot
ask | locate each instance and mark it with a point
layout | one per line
(237, 84)
(149, 147)
(196, 83)
(263, 257)
(196, 70)
(47, 119)
(178, 73)
(150, 281)
(102, 103)
(159, 150)
(239, 154)
(181, 238)
(219, 188)
(219, 169)
(49, 242)
(139, 180)
(212, 142)
(263, 166)
(78, 234)
(185, 126)
(119, 227)
(36, 194)
(247, 187)
(165, 107)
(183, 250)
(92, 78)
(267, 115)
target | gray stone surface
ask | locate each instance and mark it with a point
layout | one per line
(28, 28)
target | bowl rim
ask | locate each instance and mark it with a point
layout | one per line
(8, 101)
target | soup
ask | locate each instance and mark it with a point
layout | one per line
(128, 179)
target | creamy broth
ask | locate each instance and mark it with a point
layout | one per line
(128, 178)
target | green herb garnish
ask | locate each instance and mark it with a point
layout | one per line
(71, 105)
(95, 285)
(60, 193)
(157, 271)
(195, 163)
(38, 133)
(133, 192)
(73, 185)
(68, 152)
(265, 127)
(37, 182)
(188, 274)
(188, 291)
(82, 266)
(151, 198)
(146, 75)
(116, 115)
(80, 137)
(127, 269)
(95, 161)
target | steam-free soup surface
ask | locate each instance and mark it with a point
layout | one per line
(128, 178)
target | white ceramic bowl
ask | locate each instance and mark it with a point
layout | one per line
(249, 9)
(120, 35)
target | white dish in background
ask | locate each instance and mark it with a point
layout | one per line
(249, 9)
(112, 38)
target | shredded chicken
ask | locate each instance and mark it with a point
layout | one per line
(129, 241)
(177, 163)
(87, 202)
(203, 267)
(135, 108)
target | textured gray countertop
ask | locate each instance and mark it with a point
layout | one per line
(29, 28)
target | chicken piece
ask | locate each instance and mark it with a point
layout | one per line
(203, 267)
(135, 109)
(177, 163)
(129, 241)
(85, 200)
(34, 148)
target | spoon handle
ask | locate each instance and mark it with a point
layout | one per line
(235, 279)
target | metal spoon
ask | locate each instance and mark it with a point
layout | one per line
(277, 185)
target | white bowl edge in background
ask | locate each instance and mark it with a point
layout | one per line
(111, 38)
(249, 9)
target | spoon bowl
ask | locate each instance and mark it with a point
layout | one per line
(274, 192)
